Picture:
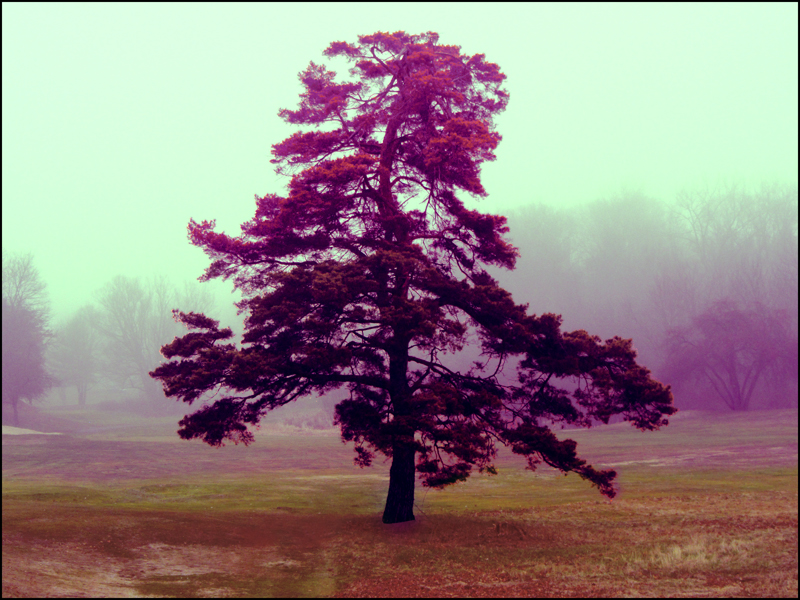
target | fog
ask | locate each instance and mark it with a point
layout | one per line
(648, 168)
(706, 286)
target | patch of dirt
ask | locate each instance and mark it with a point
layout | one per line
(77, 570)
(61, 570)
(125, 554)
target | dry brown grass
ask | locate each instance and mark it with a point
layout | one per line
(114, 517)
(721, 545)
(699, 545)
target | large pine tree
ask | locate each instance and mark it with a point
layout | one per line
(370, 272)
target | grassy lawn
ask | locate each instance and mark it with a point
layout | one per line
(707, 507)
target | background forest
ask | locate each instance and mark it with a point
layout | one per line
(707, 287)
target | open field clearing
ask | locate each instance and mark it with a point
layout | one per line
(707, 507)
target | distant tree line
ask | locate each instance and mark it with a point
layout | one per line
(108, 346)
(112, 345)
(706, 287)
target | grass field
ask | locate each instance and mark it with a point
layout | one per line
(708, 507)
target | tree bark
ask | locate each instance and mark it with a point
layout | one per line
(400, 500)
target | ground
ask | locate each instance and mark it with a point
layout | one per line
(707, 507)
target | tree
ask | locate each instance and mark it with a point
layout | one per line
(732, 348)
(135, 319)
(369, 273)
(732, 280)
(74, 355)
(618, 244)
(744, 244)
(547, 240)
(23, 286)
(25, 314)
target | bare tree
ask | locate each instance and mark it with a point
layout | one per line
(737, 249)
(732, 348)
(744, 244)
(74, 354)
(25, 314)
(23, 286)
(135, 320)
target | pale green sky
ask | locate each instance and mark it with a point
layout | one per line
(120, 121)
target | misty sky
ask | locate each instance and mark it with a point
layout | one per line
(121, 122)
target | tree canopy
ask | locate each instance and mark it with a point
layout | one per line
(369, 276)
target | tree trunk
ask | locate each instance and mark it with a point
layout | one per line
(400, 500)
